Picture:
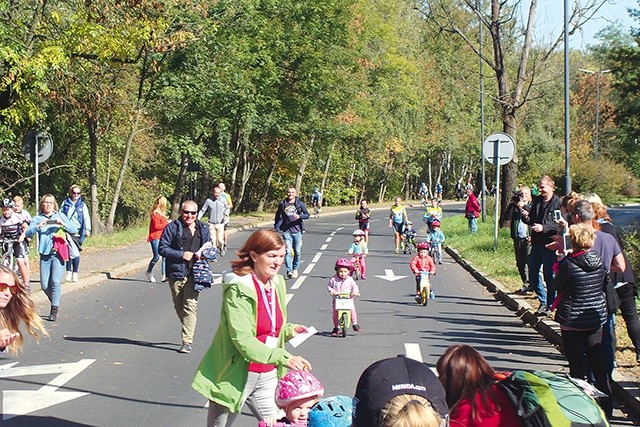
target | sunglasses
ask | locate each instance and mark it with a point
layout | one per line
(13, 289)
(76, 192)
(190, 212)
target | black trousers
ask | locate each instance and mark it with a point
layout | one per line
(522, 248)
(626, 293)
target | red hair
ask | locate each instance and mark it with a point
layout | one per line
(260, 242)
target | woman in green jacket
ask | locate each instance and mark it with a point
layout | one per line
(247, 355)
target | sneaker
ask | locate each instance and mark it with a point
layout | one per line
(440, 262)
(164, 278)
(74, 277)
(357, 327)
(67, 278)
(334, 333)
(524, 290)
(363, 278)
(397, 250)
(418, 298)
(150, 276)
(186, 348)
(294, 275)
(289, 275)
(542, 311)
(432, 296)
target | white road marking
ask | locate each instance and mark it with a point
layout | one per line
(22, 402)
(309, 268)
(412, 351)
(390, 275)
(289, 296)
(317, 257)
(328, 239)
(298, 282)
(323, 247)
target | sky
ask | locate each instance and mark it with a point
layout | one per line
(550, 18)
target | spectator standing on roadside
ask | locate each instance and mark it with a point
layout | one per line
(542, 226)
(459, 191)
(472, 210)
(13, 227)
(624, 282)
(178, 243)
(77, 211)
(218, 214)
(51, 226)
(289, 220)
(520, 235)
(226, 197)
(18, 207)
(157, 224)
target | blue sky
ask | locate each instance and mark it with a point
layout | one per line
(550, 17)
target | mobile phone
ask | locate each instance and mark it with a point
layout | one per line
(557, 215)
(52, 221)
(566, 241)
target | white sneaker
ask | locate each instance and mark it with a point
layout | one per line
(294, 274)
(150, 276)
(164, 278)
(68, 277)
(74, 277)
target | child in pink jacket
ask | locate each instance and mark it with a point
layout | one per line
(342, 282)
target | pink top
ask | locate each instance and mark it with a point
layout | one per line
(337, 285)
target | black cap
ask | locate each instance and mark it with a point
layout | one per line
(388, 378)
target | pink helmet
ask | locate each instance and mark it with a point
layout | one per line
(343, 262)
(434, 223)
(297, 385)
(423, 245)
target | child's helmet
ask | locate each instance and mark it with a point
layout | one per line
(343, 262)
(7, 203)
(315, 188)
(409, 223)
(358, 232)
(333, 411)
(423, 245)
(434, 223)
(297, 385)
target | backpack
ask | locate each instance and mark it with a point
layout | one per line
(545, 399)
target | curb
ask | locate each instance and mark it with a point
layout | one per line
(546, 327)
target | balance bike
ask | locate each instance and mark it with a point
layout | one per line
(425, 288)
(344, 305)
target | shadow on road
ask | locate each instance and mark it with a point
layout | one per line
(127, 341)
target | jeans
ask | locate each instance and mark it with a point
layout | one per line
(51, 272)
(156, 256)
(185, 302)
(293, 241)
(73, 264)
(259, 391)
(473, 224)
(545, 258)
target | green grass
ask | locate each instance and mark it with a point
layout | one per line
(119, 238)
(479, 249)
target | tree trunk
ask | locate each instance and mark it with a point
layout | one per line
(326, 168)
(246, 174)
(267, 185)
(176, 197)
(303, 163)
(97, 226)
(509, 171)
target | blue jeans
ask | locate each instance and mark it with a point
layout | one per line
(544, 258)
(73, 264)
(51, 272)
(473, 225)
(293, 241)
(156, 256)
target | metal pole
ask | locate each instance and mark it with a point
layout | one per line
(595, 132)
(497, 207)
(567, 160)
(484, 184)
(36, 146)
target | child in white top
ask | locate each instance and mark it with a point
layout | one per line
(341, 282)
(360, 250)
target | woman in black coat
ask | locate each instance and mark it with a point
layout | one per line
(582, 309)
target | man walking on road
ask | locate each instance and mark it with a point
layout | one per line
(179, 241)
(218, 217)
(289, 216)
(543, 227)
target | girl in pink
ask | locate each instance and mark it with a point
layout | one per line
(342, 282)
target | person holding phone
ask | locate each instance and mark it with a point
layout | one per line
(520, 206)
(77, 211)
(51, 248)
(543, 226)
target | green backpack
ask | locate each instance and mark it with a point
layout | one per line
(545, 399)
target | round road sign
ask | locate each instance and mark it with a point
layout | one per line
(499, 144)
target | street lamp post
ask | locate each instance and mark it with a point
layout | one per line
(595, 132)
(567, 157)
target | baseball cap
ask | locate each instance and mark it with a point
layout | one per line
(388, 378)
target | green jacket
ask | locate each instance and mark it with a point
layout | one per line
(223, 371)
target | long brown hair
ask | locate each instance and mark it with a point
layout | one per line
(260, 242)
(20, 309)
(464, 373)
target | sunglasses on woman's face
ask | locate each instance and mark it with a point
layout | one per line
(76, 193)
(12, 288)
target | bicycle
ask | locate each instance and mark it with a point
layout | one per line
(9, 259)
(434, 254)
(425, 289)
(316, 210)
(344, 305)
(410, 245)
(356, 267)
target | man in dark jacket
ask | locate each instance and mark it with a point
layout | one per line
(521, 202)
(289, 216)
(543, 227)
(179, 241)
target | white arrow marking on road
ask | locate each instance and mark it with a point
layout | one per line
(413, 351)
(22, 402)
(390, 276)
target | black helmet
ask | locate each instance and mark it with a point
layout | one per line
(7, 203)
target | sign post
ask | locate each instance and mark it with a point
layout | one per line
(498, 149)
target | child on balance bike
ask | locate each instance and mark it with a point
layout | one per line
(422, 263)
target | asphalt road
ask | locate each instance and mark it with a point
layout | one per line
(112, 360)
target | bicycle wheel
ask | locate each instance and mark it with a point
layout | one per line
(343, 324)
(357, 274)
(7, 261)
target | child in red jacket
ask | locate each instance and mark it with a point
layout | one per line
(422, 263)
